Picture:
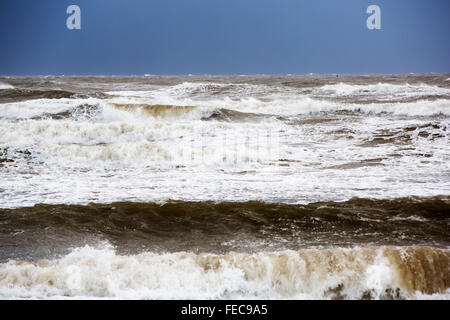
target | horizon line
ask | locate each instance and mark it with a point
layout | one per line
(219, 75)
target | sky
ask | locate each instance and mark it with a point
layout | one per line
(171, 37)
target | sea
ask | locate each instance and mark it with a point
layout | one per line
(225, 187)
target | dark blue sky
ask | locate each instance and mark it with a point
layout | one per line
(223, 37)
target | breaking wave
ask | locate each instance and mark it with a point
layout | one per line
(248, 109)
(161, 111)
(38, 109)
(5, 86)
(301, 105)
(358, 273)
(385, 90)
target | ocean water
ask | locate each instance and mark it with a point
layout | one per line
(225, 187)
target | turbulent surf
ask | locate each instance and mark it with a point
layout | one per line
(225, 187)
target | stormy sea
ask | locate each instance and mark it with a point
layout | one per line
(225, 187)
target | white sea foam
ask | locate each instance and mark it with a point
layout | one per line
(39, 107)
(201, 160)
(307, 274)
(308, 106)
(143, 143)
(5, 86)
(386, 89)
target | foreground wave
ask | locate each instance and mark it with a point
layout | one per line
(48, 231)
(357, 273)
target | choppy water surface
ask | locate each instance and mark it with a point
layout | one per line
(280, 186)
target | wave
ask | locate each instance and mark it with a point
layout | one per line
(106, 111)
(234, 116)
(199, 89)
(138, 109)
(356, 273)
(274, 89)
(140, 141)
(11, 95)
(157, 111)
(187, 89)
(311, 106)
(220, 227)
(398, 99)
(46, 108)
(15, 94)
(5, 86)
(387, 89)
(302, 105)
(408, 133)
(199, 213)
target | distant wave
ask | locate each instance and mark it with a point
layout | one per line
(11, 94)
(5, 86)
(14, 95)
(188, 109)
(384, 88)
(39, 109)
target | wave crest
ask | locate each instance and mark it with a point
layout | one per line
(358, 273)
